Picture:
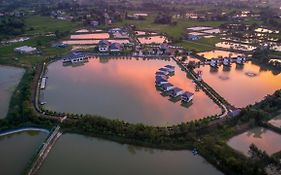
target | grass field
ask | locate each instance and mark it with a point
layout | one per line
(201, 45)
(176, 32)
(172, 31)
(42, 24)
(9, 56)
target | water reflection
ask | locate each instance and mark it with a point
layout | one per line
(76, 154)
(17, 149)
(264, 139)
(246, 84)
(9, 79)
(122, 89)
(276, 121)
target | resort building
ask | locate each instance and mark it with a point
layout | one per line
(176, 92)
(115, 47)
(187, 97)
(226, 61)
(159, 73)
(75, 57)
(193, 37)
(25, 50)
(103, 46)
(159, 81)
(240, 60)
(167, 87)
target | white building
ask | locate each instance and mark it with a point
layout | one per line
(26, 49)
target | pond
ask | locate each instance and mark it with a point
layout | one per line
(153, 39)
(217, 54)
(122, 88)
(94, 42)
(17, 149)
(91, 36)
(76, 154)
(241, 85)
(276, 121)
(235, 46)
(9, 79)
(264, 139)
(199, 28)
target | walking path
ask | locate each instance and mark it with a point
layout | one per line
(42, 155)
(22, 130)
(206, 90)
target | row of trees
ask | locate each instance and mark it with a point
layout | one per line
(11, 26)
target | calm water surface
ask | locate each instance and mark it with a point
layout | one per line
(9, 79)
(77, 154)
(237, 87)
(152, 40)
(264, 139)
(276, 121)
(217, 54)
(122, 89)
(17, 149)
(91, 36)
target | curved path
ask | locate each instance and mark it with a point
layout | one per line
(22, 130)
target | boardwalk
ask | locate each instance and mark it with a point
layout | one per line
(44, 151)
(207, 91)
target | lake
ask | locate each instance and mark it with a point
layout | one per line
(76, 154)
(122, 88)
(17, 149)
(264, 139)
(9, 79)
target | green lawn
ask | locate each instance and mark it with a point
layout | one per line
(172, 31)
(204, 44)
(9, 56)
(42, 24)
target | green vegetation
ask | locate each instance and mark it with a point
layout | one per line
(42, 24)
(204, 44)
(9, 56)
(11, 26)
(173, 31)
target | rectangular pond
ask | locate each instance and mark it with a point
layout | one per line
(264, 139)
(241, 85)
(17, 149)
(9, 79)
(153, 39)
(122, 88)
(217, 54)
(76, 154)
(90, 36)
(276, 121)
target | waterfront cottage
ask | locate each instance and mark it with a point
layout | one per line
(116, 47)
(103, 46)
(226, 62)
(170, 67)
(240, 60)
(187, 97)
(167, 87)
(162, 73)
(165, 69)
(75, 57)
(192, 37)
(176, 92)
